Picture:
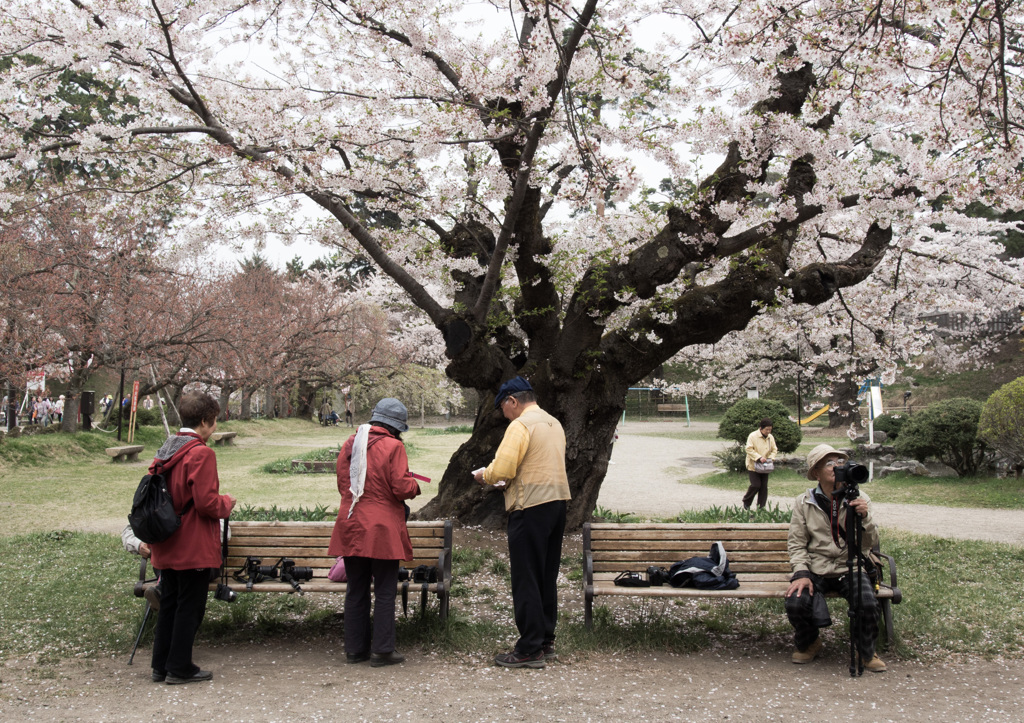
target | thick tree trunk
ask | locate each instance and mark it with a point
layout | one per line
(245, 411)
(589, 419)
(72, 399)
(844, 409)
(306, 392)
(225, 397)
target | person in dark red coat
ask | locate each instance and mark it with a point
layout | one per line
(188, 558)
(370, 532)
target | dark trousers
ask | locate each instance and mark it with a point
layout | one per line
(535, 551)
(182, 607)
(758, 486)
(800, 611)
(384, 574)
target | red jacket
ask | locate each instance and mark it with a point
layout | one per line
(192, 475)
(377, 526)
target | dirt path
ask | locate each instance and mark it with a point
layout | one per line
(646, 472)
(283, 682)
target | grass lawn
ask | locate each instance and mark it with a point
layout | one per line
(66, 482)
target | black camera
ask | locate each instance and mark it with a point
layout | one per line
(419, 574)
(851, 474)
(290, 571)
(225, 593)
(258, 572)
(658, 576)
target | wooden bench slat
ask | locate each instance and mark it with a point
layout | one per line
(716, 535)
(696, 547)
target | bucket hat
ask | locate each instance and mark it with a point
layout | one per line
(392, 412)
(819, 453)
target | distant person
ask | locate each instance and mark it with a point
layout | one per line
(370, 532)
(325, 412)
(819, 563)
(189, 558)
(347, 391)
(531, 462)
(58, 409)
(761, 448)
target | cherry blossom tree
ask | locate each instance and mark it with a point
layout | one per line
(488, 159)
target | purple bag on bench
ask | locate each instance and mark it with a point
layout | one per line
(337, 571)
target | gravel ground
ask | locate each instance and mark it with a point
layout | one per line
(300, 681)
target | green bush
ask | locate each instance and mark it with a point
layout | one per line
(745, 415)
(891, 424)
(1001, 425)
(948, 431)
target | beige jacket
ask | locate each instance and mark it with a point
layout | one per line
(759, 446)
(531, 457)
(810, 542)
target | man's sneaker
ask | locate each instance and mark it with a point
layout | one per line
(515, 660)
(199, 676)
(549, 651)
(805, 656)
(159, 676)
(354, 658)
(875, 665)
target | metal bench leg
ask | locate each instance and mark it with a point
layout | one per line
(887, 621)
(145, 619)
(588, 612)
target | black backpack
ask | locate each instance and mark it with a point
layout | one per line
(153, 518)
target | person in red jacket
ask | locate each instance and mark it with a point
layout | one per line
(188, 558)
(370, 532)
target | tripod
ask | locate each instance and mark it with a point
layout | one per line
(854, 570)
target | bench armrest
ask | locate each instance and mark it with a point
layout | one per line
(897, 595)
(588, 557)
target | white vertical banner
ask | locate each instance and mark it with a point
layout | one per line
(876, 402)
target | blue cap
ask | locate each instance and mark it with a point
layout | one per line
(512, 386)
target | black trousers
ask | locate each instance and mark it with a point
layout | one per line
(182, 608)
(535, 551)
(358, 634)
(758, 486)
(800, 611)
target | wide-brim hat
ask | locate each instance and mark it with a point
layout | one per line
(512, 386)
(819, 453)
(391, 412)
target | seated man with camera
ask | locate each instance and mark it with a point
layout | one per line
(819, 553)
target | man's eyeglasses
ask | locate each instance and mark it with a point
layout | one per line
(832, 463)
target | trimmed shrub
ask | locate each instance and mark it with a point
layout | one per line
(891, 424)
(947, 431)
(745, 416)
(1001, 424)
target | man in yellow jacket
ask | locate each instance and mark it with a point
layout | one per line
(531, 462)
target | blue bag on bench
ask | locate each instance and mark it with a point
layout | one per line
(705, 573)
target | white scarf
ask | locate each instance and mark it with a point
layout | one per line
(357, 467)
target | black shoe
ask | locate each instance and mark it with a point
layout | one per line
(357, 657)
(159, 676)
(549, 651)
(515, 660)
(379, 660)
(198, 677)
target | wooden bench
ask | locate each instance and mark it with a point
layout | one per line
(671, 407)
(306, 543)
(315, 466)
(757, 554)
(129, 452)
(223, 438)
